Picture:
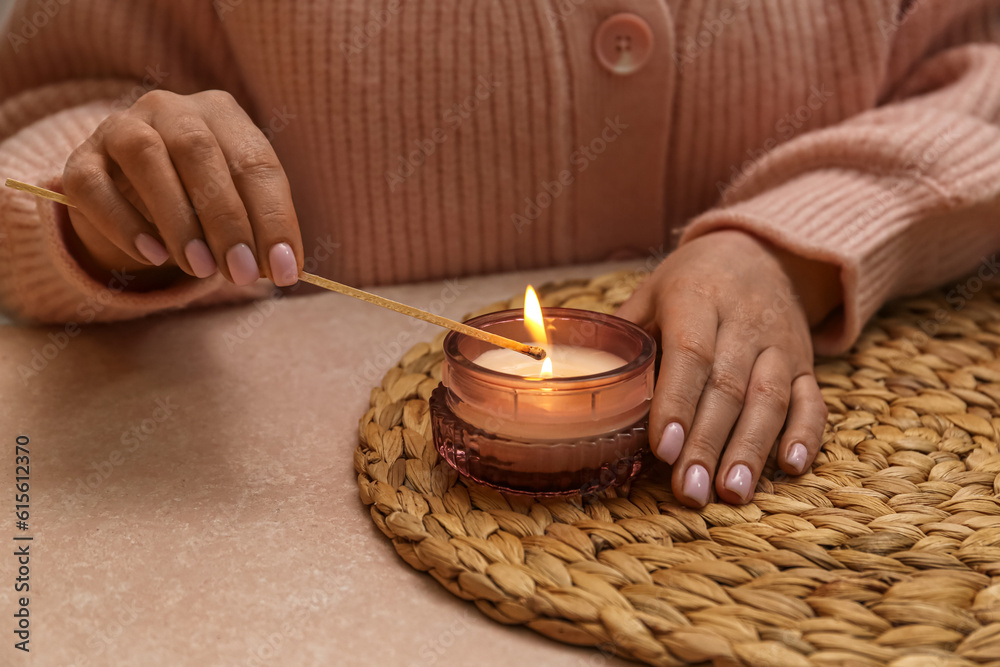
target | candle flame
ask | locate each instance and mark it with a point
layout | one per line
(533, 317)
(546, 368)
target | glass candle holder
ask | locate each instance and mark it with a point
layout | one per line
(551, 435)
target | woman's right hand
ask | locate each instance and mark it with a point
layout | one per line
(186, 181)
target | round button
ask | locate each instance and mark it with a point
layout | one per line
(623, 43)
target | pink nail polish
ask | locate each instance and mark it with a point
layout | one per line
(200, 258)
(284, 269)
(738, 481)
(151, 249)
(671, 443)
(797, 454)
(242, 265)
(696, 484)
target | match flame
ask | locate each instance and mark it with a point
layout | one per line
(546, 368)
(533, 317)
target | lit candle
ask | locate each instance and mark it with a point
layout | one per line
(575, 422)
(560, 360)
(564, 360)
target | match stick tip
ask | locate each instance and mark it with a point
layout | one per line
(536, 353)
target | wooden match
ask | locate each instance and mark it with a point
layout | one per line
(532, 351)
(38, 192)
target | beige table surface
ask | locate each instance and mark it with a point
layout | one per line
(193, 500)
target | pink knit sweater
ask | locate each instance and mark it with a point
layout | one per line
(430, 139)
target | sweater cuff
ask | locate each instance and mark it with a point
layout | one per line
(855, 221)
(40, 280)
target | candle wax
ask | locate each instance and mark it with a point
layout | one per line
(567, 361)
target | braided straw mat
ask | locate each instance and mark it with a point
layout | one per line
(887, 552)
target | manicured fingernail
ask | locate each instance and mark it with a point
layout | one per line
(738, 481)
(284, 269)
(671, 443)
(797, 454)
(242, 265)
(200, 258)
(151, 249)
(696, 484)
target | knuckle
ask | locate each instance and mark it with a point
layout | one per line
(157, 98)
(185, 216)
(193, 139)
(74, 162)
(680, 403)
(698, 449)
(256, 162)
(769, 392)
(274, 219)
(138, 142)
(694, 348)
(705, 290)
(107, 126)
(217, 96)
(225, 97)
(751, 448)
(728, 383)
(82, 177)
(822, 412)
(224, 220)
(107, 129)
(812, 399)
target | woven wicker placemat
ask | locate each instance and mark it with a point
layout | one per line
(887, 552)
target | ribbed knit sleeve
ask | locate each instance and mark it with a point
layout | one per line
(904, 196)
(66, 67)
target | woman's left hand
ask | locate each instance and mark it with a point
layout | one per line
(737, 363)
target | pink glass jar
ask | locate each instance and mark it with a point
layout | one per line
(550, 436)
